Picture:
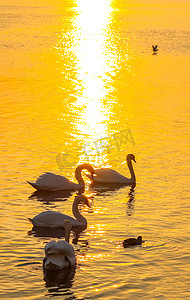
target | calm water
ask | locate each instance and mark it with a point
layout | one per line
(72, 73)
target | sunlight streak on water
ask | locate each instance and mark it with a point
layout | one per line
(90, 37)
(89, 40)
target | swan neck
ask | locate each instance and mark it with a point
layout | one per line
(78, 176)
(67, 234)
(76, 212)
(130, 166)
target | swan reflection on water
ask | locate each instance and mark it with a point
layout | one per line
(54, 196)
(60, 282)
(100, 189)
(56, 232)
(105, 189)
(131, 201)
(78, 234)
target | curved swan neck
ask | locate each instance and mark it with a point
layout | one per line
(76, 212)
(130, 166)
(78, 176)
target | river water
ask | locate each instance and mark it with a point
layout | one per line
(80, 83)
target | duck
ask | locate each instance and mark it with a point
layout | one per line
(109, 176)
(155, 48)
(52, 182)
(60, 254)
(132, 242)
(53, 219)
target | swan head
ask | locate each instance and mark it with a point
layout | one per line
(89, 168)
(85, 166)
(83, 199)
(131, 157)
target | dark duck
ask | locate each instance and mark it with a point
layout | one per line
(132, 242)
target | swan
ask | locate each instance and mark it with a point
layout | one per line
(106, 175)
(60, 254)
(54, 219)
(51, 182)
(132, 242)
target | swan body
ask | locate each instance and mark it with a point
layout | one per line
(132, 242)
(60, 254)
(52, 182)
(106, 175)
(54, 219)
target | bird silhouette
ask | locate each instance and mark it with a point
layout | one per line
(154, 48)
(132, 242)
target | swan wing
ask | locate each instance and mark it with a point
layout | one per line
(106, 175)
(63, 247)
(67, 249)
(52, 219)
(53, 182)
(55, 262)
(59, 255)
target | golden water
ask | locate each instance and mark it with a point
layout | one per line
(73, 75)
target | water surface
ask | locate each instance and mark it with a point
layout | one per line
(73, 75)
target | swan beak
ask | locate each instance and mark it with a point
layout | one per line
(134, 160)
(87, 202)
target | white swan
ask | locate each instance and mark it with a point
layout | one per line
(52, 182)
(60, 254)
(56, 219)
(109, 176)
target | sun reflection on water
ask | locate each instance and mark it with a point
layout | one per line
(89, 61)
(92, 67)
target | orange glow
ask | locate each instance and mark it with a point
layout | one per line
(74, 72)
